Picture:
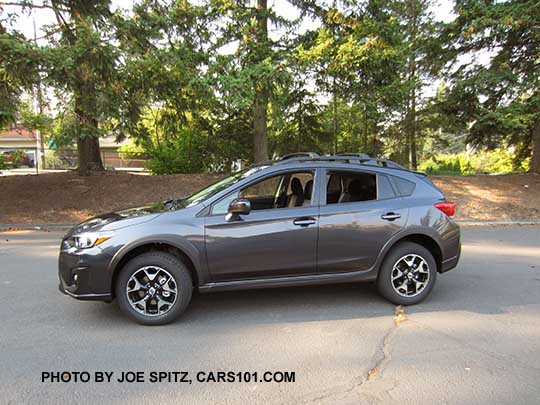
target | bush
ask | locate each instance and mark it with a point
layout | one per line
(496, 161)
(52, 160)
(184, 154)
(3, 164)
(15, 159)
(132, 151)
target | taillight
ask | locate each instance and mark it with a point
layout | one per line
(449, 208)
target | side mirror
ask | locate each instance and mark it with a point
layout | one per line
(238, 207)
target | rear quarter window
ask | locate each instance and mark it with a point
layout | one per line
(384, 188)
(405, 187)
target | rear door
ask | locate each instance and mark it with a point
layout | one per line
(279, 236)
(359, 212)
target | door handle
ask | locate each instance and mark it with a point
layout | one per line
(391, 216)
(304, 221)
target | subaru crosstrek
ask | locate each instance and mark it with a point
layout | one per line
(301, 220)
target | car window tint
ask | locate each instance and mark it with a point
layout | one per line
(384, 188)
(333, 188)
(405, 187)
(263, 189)
(294, 189)
(222, 206)
(354, 187)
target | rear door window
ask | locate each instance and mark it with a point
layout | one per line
(354, 186)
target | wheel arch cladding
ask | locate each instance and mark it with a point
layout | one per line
(423, 240)
(155, 247)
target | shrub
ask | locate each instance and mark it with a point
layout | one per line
(494, 161)
(184, 154)
(132, 151)
(15, 159)
(52, 160)
(3, 165)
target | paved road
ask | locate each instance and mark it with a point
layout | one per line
(476, 340)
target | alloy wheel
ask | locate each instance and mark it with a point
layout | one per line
(151, 291)
(410, 275)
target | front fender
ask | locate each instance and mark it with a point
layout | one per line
(173, 240)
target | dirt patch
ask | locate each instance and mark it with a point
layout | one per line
(68, 198)
(512, 197)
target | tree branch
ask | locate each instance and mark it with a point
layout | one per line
(26, 4)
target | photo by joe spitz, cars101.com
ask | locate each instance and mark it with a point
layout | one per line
(304, 219)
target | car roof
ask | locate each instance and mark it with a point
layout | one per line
(345, 161)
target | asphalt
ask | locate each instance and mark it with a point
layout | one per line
(475, 340)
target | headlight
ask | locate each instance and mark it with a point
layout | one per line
(88, 239)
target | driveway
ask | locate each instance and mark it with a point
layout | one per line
(475, 340)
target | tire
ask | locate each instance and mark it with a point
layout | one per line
(409, 289)
(158, 274)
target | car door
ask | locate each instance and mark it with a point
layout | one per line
(277, 238)
(359, 212)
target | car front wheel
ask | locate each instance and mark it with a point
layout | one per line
(407, 274)
(154, 288)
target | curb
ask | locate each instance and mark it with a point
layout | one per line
(498, 223)
(35, 227)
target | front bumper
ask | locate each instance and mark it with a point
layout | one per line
(84, 274)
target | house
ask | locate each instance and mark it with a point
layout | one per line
(110, 154)
(18, 137)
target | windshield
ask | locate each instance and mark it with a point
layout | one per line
(221, 185)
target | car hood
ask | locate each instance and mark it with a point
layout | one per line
(128, 217)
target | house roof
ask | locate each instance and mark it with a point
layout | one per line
(22, 133)
(17, 133)
(110, 142)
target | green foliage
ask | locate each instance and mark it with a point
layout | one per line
(53, 160)
(132, 151)
(184, 154)
(496, 161)
(191, 83)
(14, 159)
(501, 98)
(3, 165)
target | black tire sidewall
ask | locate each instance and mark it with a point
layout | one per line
(178, 271)
(384, 280)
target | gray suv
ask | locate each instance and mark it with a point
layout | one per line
(301, 220)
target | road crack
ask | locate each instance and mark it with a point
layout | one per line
(381, 358)
(385, 347)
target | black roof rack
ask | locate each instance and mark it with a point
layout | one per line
(353, 158)
(300, 154)
(358, 155)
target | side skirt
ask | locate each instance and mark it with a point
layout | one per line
(317, 279)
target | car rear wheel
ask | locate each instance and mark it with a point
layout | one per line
(407, 274)
(154, 288)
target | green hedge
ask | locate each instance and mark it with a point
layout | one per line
(496, 161)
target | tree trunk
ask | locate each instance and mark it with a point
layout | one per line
(335, 119)
(411, 116)
(534, 166)
(89, 155)
(414, 162)
(260, 138)
(260, 104)
(88, 151)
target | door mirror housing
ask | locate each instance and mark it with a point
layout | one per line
(237, 207)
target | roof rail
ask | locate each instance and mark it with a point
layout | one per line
(358, 155)
(353, 158)
(299, 155)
